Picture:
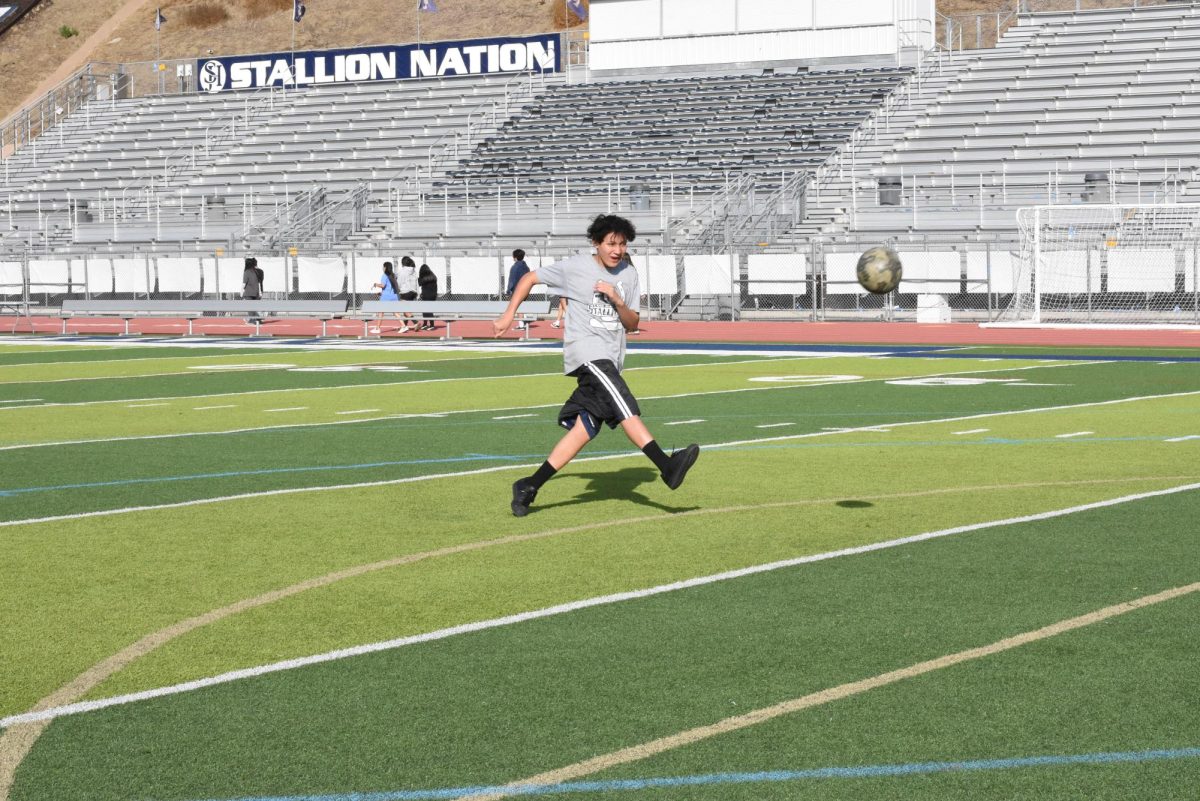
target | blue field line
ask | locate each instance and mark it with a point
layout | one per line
(470, 457)
(520, 457)
(761, 777)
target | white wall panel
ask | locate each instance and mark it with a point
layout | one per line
(12, 278)
(129, 275)
(659, 275)
(326, 274)
(367, 270)
(1006, 276)
(707, 275)
(1189, 276)
(840, 275)
(48, 275)
(276, 276)
(616, 20)
(96, 274)
(226, 278)
(773, 15)
(836, 13)
(1141, 270)
(777, 273)
(1069, 271)
(731, 48)
(692, 17)
(179, 275)
(930, 271)
(475, 275)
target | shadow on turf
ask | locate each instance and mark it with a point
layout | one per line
(616, 485)
(855, 504)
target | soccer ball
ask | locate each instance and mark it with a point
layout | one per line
(879, 270)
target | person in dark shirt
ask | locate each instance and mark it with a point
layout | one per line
(429, 291)
(515, 273)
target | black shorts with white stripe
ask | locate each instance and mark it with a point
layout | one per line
(602, 393)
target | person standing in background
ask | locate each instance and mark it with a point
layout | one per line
(387, 291)
(429, 291)
(515, 273)
(252, 284)
(406, 280)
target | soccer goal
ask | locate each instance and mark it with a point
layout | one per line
(1133, 265)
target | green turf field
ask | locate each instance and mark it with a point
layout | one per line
(319, 540)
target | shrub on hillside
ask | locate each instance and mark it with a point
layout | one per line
(204, 15)
(66, 32)
(262, 8)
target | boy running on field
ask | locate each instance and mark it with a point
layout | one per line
(605, 295)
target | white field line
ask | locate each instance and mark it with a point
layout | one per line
(317, 423)
(359, 411)
(499, 468)
(365, 366)
(216, 370)
(21, 400)
(145, 405)
(774, 425)
(514, 416)
(222, 406)
(683, 422)
(388, 384)
(289, 409)
(1074, 434)
(574, 606)
(1184, 439)
(972, 431)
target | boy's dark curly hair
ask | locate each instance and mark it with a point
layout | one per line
(607, 224)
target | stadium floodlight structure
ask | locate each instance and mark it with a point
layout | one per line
(1107, 265)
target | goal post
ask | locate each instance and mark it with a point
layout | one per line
(1107, 265)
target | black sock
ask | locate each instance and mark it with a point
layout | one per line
(660, 459)
(543, 474)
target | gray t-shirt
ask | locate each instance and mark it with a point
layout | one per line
(593, 329)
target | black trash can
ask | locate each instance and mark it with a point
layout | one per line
(1095, 187)
(890, 188)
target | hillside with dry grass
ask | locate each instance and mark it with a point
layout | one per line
(35, 48)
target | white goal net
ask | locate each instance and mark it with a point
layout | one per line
(1107, 265)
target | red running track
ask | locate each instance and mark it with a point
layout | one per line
(872, 333)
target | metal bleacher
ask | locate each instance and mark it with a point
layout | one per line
(1072, 107)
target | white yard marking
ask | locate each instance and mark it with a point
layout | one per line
(1074, 434)
(876, 429)
(574, 606)
(143, 405)
(359, 411)
(774, 425)
(973, 431)
(514, 416)
(222, 406)
(22, 400)
(683, 422)
(288, 409)
(1184, 439)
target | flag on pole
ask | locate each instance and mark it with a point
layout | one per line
(426, 5)
(298, 10)
(159, 19)
(578, 9)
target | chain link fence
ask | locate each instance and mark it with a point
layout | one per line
(943, 281)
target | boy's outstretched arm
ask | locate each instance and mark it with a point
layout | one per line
(502, 323)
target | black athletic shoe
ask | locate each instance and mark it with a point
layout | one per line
(523, 495)
(681, 462)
